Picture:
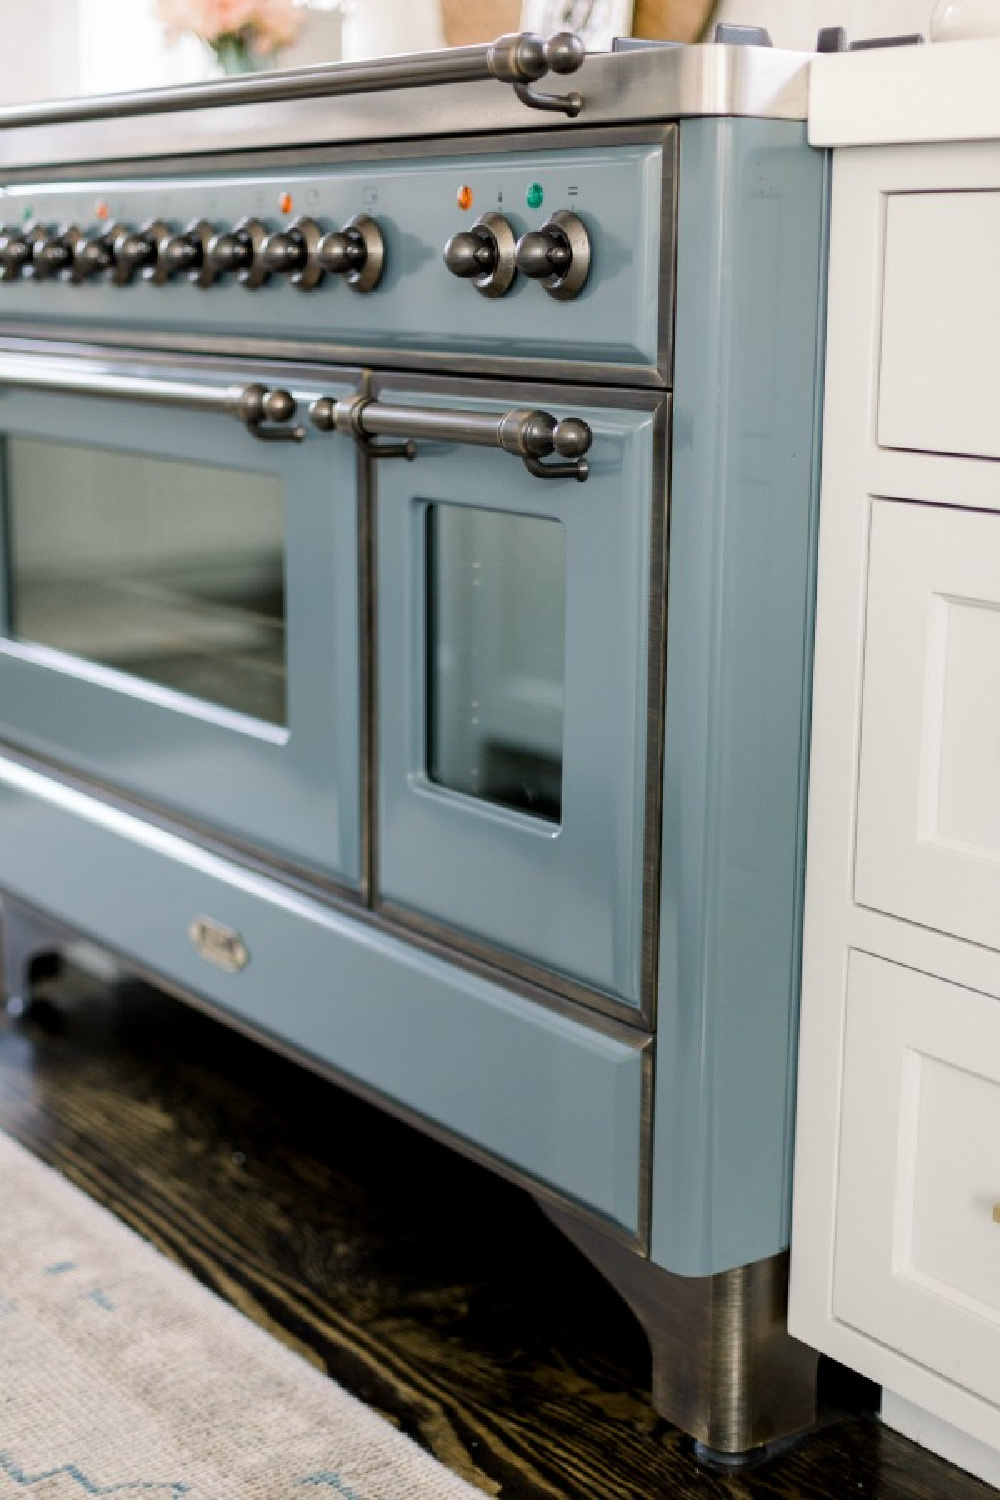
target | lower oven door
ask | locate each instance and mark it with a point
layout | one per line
(520, 621)
(179, 597)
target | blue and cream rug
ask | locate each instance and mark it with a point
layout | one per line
(120, 1375)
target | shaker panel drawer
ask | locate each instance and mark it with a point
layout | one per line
(928, 834)
(918, 1250)
(939, 386)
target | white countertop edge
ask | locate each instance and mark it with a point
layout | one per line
(940, 91)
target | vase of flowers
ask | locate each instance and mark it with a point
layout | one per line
(243, 35)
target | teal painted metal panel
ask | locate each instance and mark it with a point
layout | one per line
(743, 514)
(567, 893)
(418, 305)
(295, 791)
(555, 1099)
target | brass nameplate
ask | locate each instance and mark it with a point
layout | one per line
(219, 945)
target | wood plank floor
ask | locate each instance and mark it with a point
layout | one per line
(434, 1291)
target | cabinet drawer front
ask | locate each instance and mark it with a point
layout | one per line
(928, 836)
(940, 373)
(918, 1251)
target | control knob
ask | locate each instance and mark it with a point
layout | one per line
(557, 255)
(93, 254)
(137, 250)
(484, 255)
(53, 254)
(186, 254)
(294, 252)
(356, 252)
(16, 249)
(239, 253)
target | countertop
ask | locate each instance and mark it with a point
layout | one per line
(939, 91)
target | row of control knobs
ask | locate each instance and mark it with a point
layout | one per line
(303, 252)
(489, 254)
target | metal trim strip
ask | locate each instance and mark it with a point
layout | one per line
(618, 88)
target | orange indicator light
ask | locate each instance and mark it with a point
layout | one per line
(285, 202)
(464, 197)
(102, 211)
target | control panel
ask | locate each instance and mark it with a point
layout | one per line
(550, 253)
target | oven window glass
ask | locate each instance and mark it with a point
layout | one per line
(170, 571)
(496, 592)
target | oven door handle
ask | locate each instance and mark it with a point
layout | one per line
(529, 434)
(264, 412)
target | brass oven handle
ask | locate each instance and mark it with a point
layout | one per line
(264, 412)
(519, 58)
(529, 434)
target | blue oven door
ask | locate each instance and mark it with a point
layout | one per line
(179, 597)
(519, 670)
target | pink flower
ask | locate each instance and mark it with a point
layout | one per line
(276, 24)
(223, 17)
(267, 24)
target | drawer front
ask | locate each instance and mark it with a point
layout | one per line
(918, 1252)
(928, 836)
(555, 1100)
(940, 372)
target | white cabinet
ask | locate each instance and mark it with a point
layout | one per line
(928, 824)
(895, 1250)
(918, 1253)
(941, 323)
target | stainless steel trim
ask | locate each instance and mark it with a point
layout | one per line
(367, 624)
(648, 1086)
(53, 930)
(143, 344)
(725, 1368)
(254, 405)
(659, 568)
(655, 84)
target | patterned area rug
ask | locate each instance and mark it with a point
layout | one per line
(120, 1375)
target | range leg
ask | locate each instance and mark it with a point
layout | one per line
(32, 946)
(725, 1369)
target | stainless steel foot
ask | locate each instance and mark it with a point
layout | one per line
(725, 1369)
(32, 946)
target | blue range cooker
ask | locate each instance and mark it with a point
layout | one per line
(406, 577)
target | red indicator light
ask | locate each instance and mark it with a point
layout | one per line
(102, 211)
(285, 202)
(464, 197)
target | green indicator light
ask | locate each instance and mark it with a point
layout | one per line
(535, 195)
(26, 212)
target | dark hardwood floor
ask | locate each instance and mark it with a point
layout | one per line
(433, 1290)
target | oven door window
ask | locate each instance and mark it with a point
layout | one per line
(180, 613)
(496, 595)
(517, 641)
(169, 571)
